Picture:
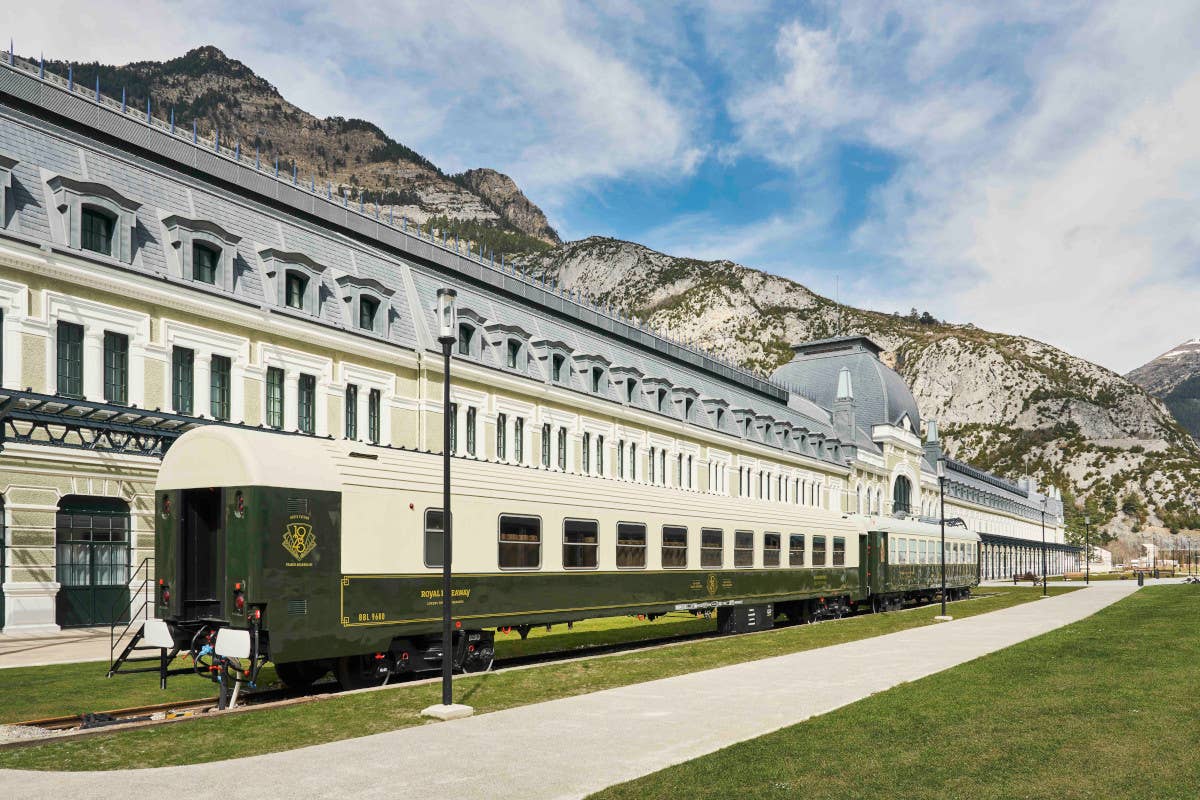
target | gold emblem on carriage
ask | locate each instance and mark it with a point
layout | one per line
(712, 584)
(299, 539)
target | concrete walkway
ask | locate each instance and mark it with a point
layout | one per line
(64, 647)
(569, 748)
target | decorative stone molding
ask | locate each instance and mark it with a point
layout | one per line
(72, 197)
(353, 290)
(278, 263)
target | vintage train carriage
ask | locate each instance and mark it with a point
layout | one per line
(331, 549)
(900, 560)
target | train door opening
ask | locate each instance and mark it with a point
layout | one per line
(202, 553)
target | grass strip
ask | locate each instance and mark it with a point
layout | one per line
(347, 716)
(1105, 707)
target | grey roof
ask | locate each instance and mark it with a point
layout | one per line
(881, 397)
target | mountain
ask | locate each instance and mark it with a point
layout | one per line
(356, 156)
(1009, 404)
(1174, 377)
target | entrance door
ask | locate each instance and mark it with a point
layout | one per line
(203, 554)
(93, 561)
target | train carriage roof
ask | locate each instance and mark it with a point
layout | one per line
(912, 527)
(218, 455)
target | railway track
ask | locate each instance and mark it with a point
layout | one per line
(100, 721)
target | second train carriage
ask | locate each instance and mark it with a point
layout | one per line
(329, 552)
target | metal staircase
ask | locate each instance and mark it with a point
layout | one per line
(129, 639)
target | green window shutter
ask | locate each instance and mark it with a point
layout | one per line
(182, 379)
(351, 411)
(221, 384)
(373, 411)
(306, 403)
(70, 359)
(116, 367)
(274, 397)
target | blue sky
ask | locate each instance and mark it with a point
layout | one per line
(1032, 168)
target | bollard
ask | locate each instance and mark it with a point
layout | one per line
(1141, 579)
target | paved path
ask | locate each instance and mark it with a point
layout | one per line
(572, 747)
(63, 647)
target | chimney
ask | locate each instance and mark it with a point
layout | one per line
(844, 423)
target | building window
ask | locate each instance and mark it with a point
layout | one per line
(96, 231)
(454, 428)
(513, 354)
(295, 289)
(631, 545)
(519, 440)
(651, 472)
(562, 449)
(520, 542)
(220, 384)
(720, 416)
(116, 367)
(743, 548)
(687, 407)
(274, 397)
(92, 563)
(679, 469)
(674, 547)
(796, 550)
(351, 411)
(839, 551)
(546, 445)
(471, 414)
(586, 459)
(581, 541)
(374, 398)
(435, 532)
(712, 547)
(620, 458)
(662, 466)
(70, 359)
(597, 379)
(771, 549)
(183, 360)
(306, 403)
(556, 367)
(368, 308)
(466, 334)
(689, 472)
(204, 263)
(818, 551)
(902, 496)
(501, 436)
(600, 456)
(633, 461)
(630, 390)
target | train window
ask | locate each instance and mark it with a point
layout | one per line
(796, 550)
(674, 547)
(520, 542)
(712, 547)
(581, 540)
(883, 549)
(912, 551)
(771, 549)
(818, 555)
(922, 552)
(743, 548)
(631, 544)
(839, 551)
(434, 531)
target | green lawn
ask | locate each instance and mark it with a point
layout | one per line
(346, 716)
(1104, 708)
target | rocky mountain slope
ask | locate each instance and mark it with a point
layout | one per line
(1007, 403)
(1174, 377)
(355, 155)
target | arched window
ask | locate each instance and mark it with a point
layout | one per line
(96, 230)
(902, 495)
(92, 565)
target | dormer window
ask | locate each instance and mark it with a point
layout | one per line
(556, 367)
(662, 401)
(597, 379)
(96, 230)
(204, 263)
(466, 338)
(687, 407)
(630, 390)
(513, 353)
(746, 426)
(720, 416)
(368, 310)
(295, 290)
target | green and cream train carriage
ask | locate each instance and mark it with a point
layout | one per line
(329, 551)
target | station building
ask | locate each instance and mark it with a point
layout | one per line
(152, 281)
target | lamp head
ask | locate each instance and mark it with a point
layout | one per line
(447, 313)
(941, 468)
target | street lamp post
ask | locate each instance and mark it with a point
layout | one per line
(1087, 549)
(941, 475)
(1045, 591)
(447, 336)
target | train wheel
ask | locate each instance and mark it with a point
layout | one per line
(357, 672)
(300, 675)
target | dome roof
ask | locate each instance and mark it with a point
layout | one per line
(880, 395)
